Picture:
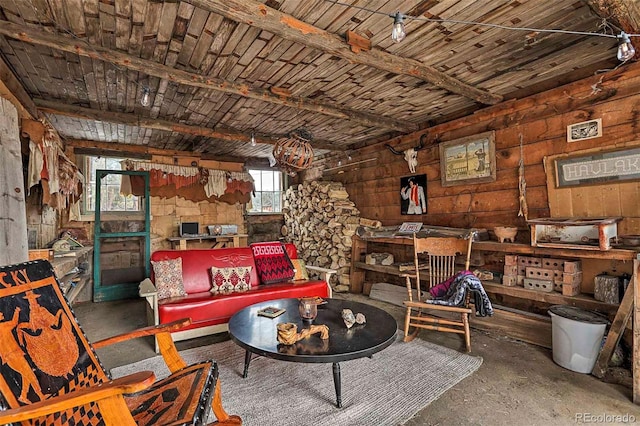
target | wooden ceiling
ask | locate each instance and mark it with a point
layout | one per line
(218, 70)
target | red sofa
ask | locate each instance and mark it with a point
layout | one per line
(210, 312)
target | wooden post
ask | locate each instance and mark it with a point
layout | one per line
(636, 333)
(615, 331)
(13, 210)
(358, 248)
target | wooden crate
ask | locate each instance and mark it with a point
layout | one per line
(540, 285)
(46, 254)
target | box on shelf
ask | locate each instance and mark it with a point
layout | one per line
(583, 233)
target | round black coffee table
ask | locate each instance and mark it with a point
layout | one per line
(257, 334)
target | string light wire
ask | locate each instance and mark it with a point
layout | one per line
(482, 24)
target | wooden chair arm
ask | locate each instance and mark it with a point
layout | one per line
(165, 344)
(109, 390)
(142, 332)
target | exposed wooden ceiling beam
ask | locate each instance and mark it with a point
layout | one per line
(259, 15)
(85, 146)
(623, 13)
(74, 111)
(31, 35)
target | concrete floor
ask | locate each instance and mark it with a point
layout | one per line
(517, 383)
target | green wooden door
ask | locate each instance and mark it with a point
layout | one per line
(119, 283)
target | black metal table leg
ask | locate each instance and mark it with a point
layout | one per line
(336, 383)
(247, 360)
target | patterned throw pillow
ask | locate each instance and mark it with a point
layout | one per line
(301, 270)
(168, 275)
(230, 280)
(272, 262)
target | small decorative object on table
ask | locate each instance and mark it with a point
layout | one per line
(308, 307)
(288, 332)
(271, 312)
(350, 319)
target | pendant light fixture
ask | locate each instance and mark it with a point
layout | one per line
(625, 48)
(145, 100)
(397, 32)
(253, 139)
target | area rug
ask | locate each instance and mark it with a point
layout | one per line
(387, 389)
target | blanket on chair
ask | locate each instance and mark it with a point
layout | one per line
(453, 292)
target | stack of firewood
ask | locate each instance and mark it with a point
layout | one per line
(320, 220)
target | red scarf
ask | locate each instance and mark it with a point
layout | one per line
(414, 195)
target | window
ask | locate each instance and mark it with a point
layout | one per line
(111, 199)
(269, 186)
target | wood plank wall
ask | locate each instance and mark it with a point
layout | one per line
(542, 121)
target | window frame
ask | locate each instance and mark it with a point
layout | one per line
(283, 188)
(89, 215)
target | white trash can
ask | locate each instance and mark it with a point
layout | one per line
(576, 337)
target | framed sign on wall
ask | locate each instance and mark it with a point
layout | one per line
(598, 167)
(584, 130)
(468, 160)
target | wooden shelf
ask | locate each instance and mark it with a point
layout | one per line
(617, 254)
(385, 269)
(554, 298)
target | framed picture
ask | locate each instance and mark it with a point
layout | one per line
(413, 194)
(584, 130)
(468, 160)
(598, 168)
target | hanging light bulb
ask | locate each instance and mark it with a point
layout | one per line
(146, 97)
(339, 163)
(625, 48)
(397, 33)
(253, 139)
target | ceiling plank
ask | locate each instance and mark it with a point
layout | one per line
(15, 93)
(74, 111)
(31, 35)
(259, 15)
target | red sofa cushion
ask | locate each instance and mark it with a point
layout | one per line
(273, 263)
(210, 309)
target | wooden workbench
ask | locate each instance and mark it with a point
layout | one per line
(219, 241)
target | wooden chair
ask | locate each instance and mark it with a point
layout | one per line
(50, 374)
(441, 255)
